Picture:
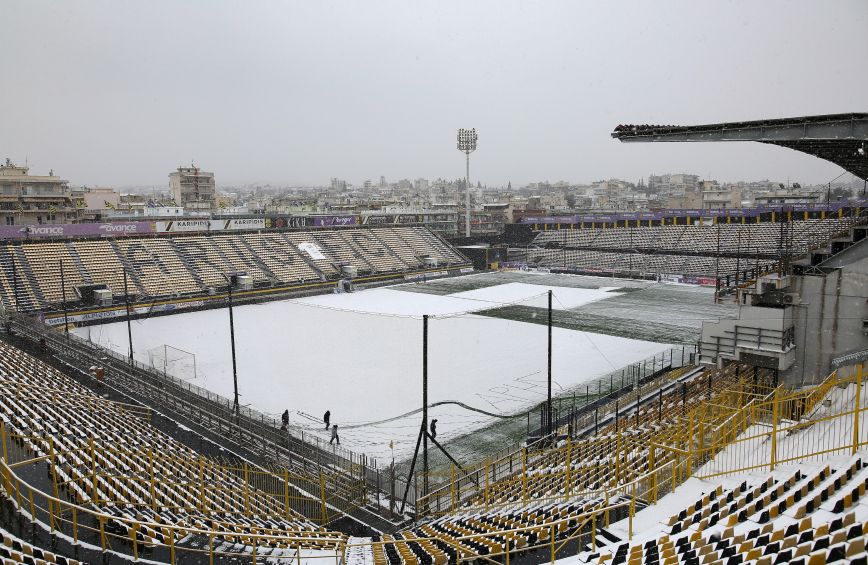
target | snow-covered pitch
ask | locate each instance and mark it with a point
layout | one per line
(359, 355)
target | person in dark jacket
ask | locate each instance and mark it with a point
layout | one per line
(327, 417)
(335, 435)
(434, 428)
(285, 418)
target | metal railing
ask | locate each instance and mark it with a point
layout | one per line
(712, 428)
(626, 385)
(122, 534)
(149, 477)
(784, 427)
(250, 429)
(471, 488)
(87, 525)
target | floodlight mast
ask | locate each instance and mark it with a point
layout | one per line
(467, 144)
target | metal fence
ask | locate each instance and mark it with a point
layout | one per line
(625, 384)
(783, 427)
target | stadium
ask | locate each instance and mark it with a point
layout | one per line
(621, 388)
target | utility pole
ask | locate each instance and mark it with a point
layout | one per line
(422, 440)
(129, 323)
(738, 257)
(717, 265)
(424, 404)
(549, 401)
(63, 300)
(14, 277)
(235, 406)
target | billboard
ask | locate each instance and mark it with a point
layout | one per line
(289, 222)
(326, 221)
(175, 226)
(120, 312)
(172, 226)
(309, 221)
(109, 229)
(390, 219)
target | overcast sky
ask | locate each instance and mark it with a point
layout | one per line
(119, 93)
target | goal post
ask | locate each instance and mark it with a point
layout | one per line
(173, 361)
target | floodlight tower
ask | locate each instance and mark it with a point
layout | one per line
(467, 144)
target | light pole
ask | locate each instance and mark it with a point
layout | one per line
(467, 144)
(549, 396)
(63, 292)
(232, 340)
(129, 323)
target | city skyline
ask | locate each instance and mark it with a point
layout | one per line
(261, 95)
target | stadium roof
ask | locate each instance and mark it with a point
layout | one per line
(839, 138)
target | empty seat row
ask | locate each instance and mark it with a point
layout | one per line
(178, 265)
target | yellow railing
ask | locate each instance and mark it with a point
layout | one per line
(482, 487)
(83, 524)
(173, 481)
(780, 429)
(723, 431)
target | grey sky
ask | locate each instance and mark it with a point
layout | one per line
(119, 93)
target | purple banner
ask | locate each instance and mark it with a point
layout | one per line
(75, 230)
(692, 212)
(325, 221)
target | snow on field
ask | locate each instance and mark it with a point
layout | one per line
(321, 353)
(394, 301)
(536, 295)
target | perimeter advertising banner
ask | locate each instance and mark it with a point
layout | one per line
(76, 230)
(119, 312)
(692, 212)
(289, 222)
(324, 221)
(173, 226)
(391, 219)
(686, 279)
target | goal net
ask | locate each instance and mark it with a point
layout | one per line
(173, 361)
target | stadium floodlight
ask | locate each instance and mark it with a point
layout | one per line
(467, 143)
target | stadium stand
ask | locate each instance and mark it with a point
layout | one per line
(705, 466)
(16, 550)
(140, 483)
(548, 495)
(682, 249)
(729, 467)
(764, 237)
(811, 506)
(190, 265)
